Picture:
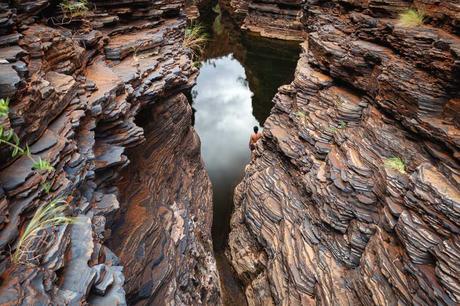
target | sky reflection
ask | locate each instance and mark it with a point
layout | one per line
(223, 117)
(224, 120)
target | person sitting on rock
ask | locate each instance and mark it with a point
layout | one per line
(254, 137)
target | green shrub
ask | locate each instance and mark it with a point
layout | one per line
(411, 18)
(395, 163)
(4, 107)
(195, 39)
(342, 124)
(74, 8)
(46, 216)
(34, 235)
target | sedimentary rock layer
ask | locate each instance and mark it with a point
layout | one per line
(324, 215)
(237, 8)
(280, 19)
(166, 193)
(76, 82)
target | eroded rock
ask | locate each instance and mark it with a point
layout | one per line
(75, 91)
(322, 216)
(166, 255)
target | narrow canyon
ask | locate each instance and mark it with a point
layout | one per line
(126, 177)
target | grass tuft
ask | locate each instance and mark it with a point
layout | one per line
(42, 165)
(300, 114)
(195, 39)
(45, 217)
(11, 139)
(411, 18)
(74, 8)
(4, 107)
(46, 186)
(35, 235)
(395, 163)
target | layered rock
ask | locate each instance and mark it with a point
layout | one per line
(237, 8)
(74, 94)
(280, 19)
(323, 215)
(166, 194)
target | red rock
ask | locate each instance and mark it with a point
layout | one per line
(320, 217)
(74, 101)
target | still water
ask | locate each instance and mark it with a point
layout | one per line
(238, 78)
(224, 121)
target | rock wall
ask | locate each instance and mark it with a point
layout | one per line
(167, 193)
(237, 8)
(76, 82)
(280, 19)
(322, 215)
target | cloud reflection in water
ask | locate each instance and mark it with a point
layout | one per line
(224, 121)
(223, 118)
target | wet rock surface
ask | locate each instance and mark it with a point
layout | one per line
(76, 86)
(322, 216)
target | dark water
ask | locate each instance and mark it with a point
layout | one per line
(239, 76)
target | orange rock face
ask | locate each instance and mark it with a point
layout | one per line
(279, 19)
(324, 215)
(76, 83)
(165, 196)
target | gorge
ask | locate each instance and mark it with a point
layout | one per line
(239, 75)
(351, 196)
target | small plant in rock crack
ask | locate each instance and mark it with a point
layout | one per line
(333, 129)
(338, 102)
(195, 39)
(35, 235)
(197, 64)
(411, 18)
(301, 115)
(46, 186)
(73, 8)
(4, 107)
(342, 124)
(42, 165)
(9, 138)
(395, 163)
